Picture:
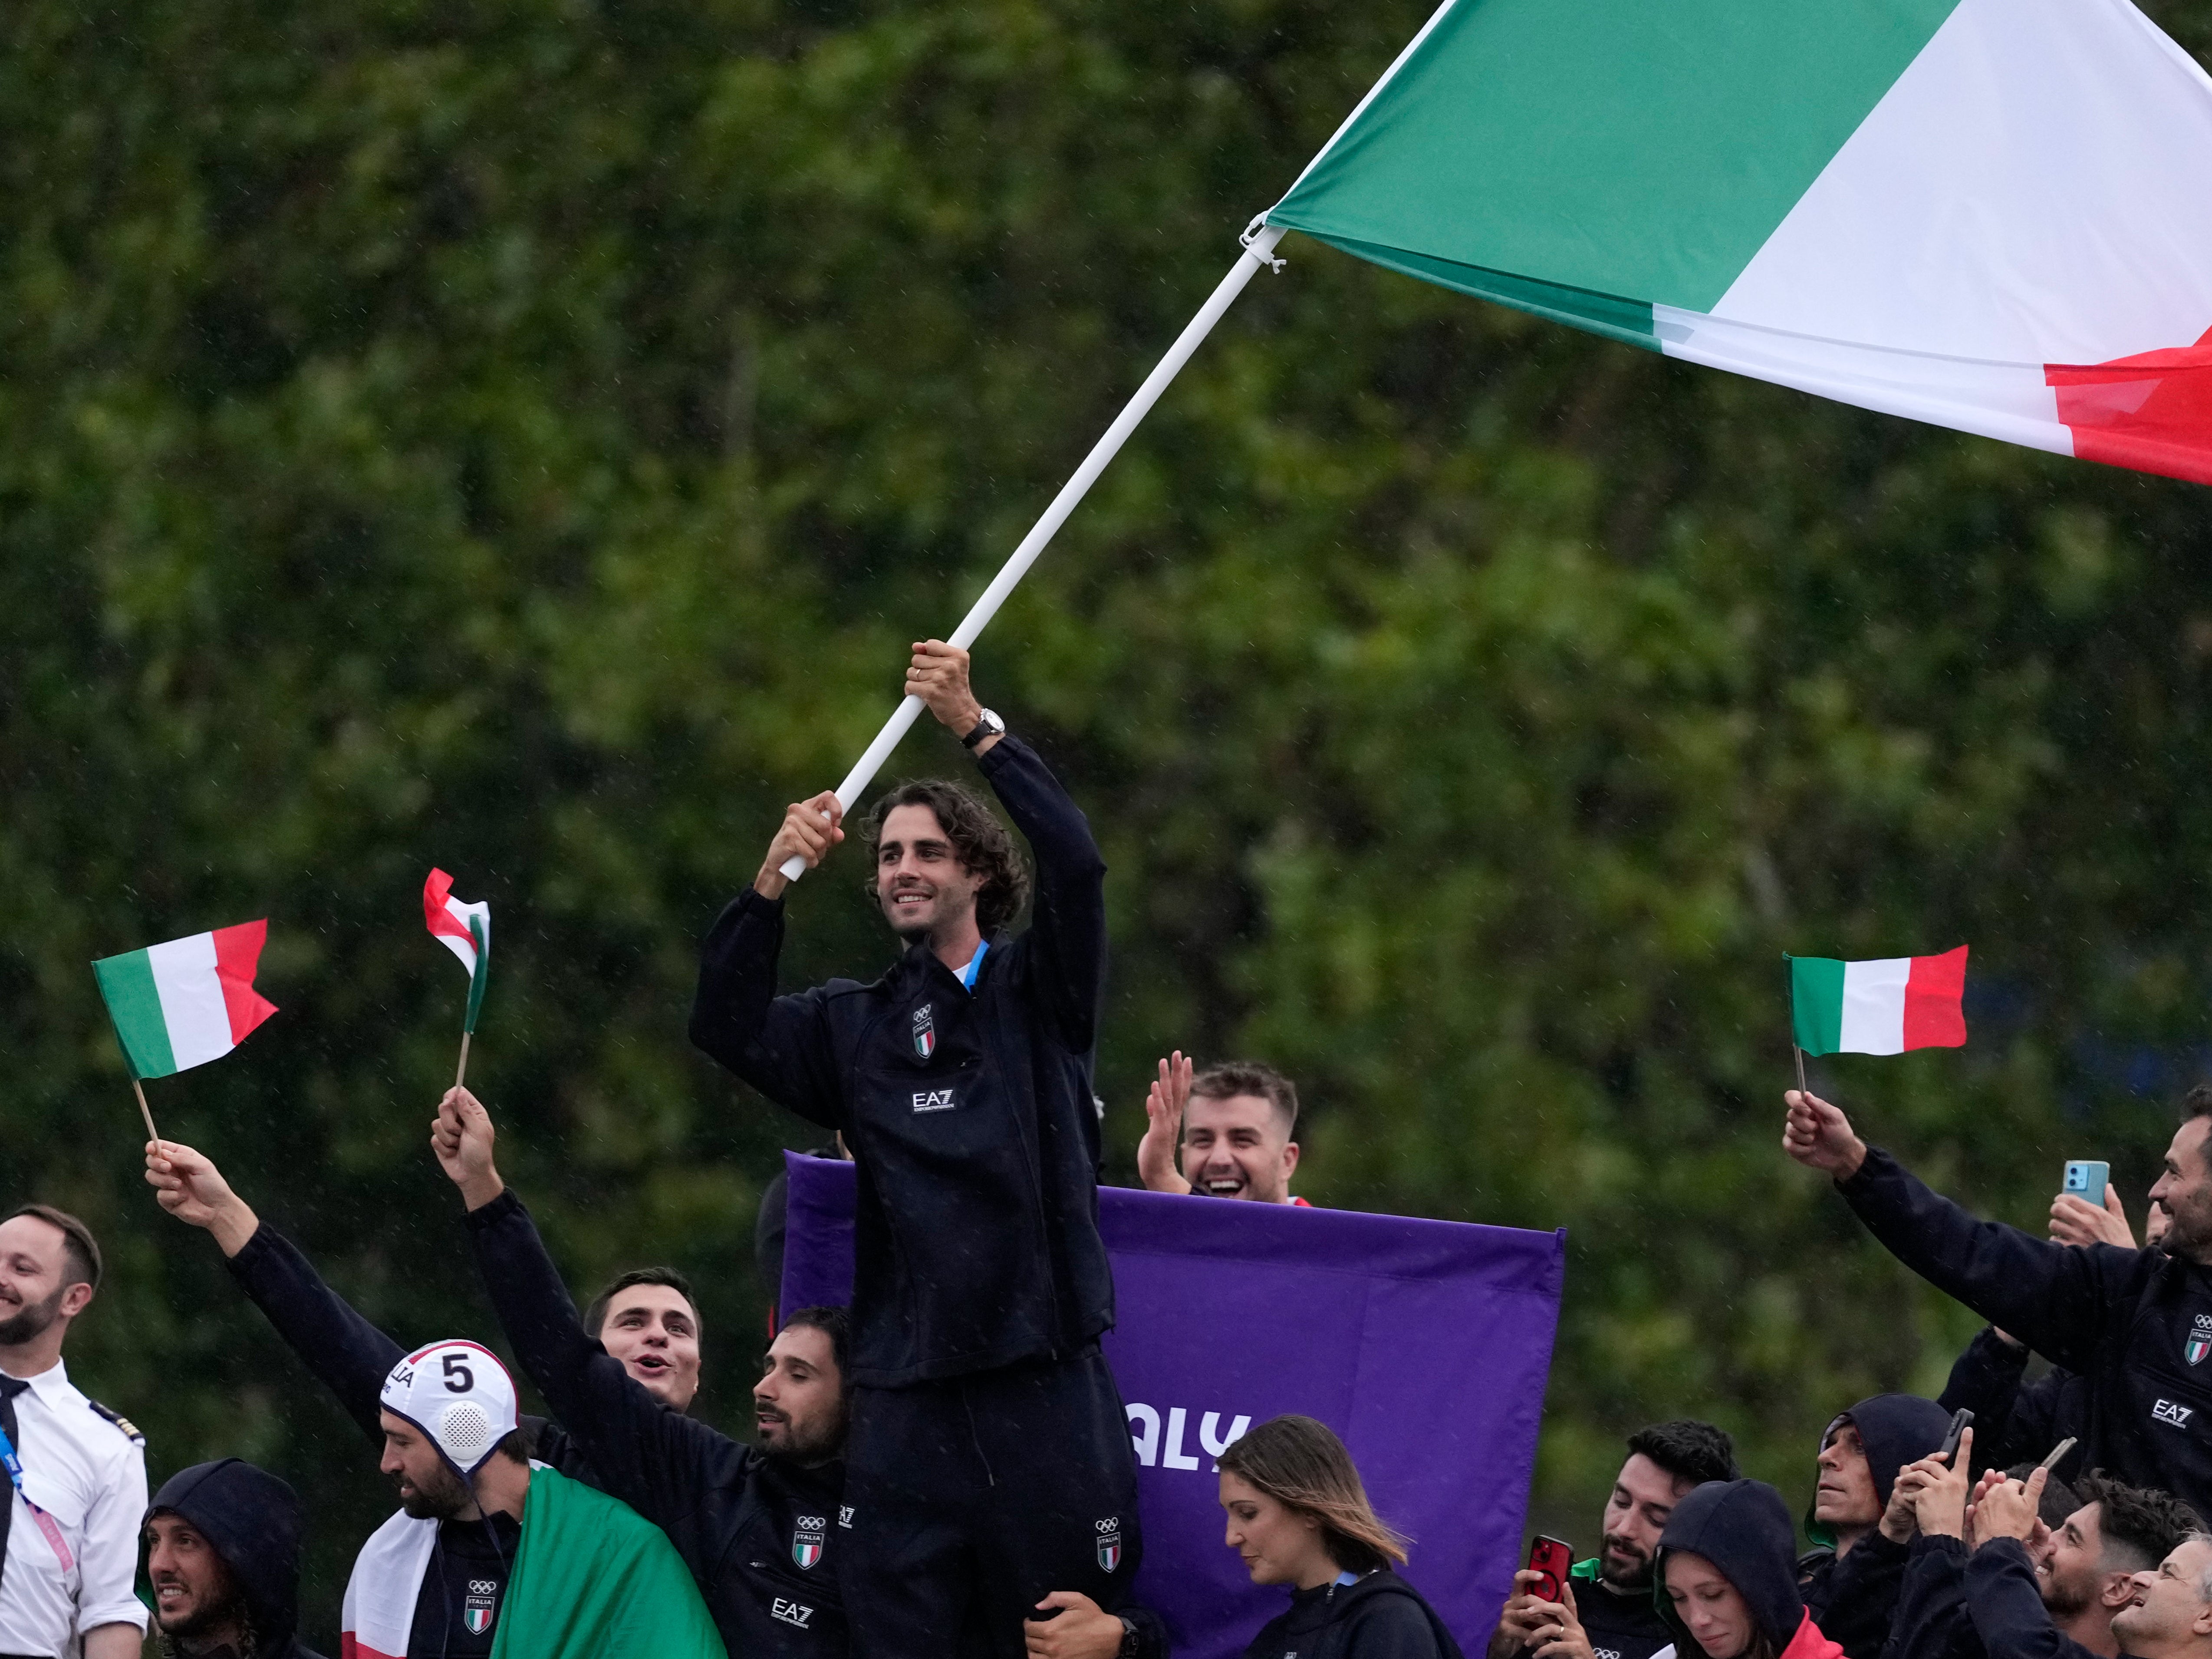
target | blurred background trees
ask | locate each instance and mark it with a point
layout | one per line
(524, 438)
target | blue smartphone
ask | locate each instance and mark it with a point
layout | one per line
(2087, 1178)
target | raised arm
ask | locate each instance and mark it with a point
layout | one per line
(1068, 925)
(2050, 1296)
(778, 1044)
(346, 1353)
(656, 1460)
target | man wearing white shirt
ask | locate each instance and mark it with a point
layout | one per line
(77, 1472)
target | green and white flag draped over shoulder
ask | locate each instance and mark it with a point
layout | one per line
(1992, 215)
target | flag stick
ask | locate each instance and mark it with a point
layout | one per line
(1800, 1052)
(1258, 253)
(151, 1133)
(461, 1071)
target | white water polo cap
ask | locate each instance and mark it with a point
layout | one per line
(459, 1395)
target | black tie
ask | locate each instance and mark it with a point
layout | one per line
(10, 1387)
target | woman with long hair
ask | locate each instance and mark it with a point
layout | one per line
(1298, 1516)
(1727, 1567)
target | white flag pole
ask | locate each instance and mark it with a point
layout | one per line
(1257, 252)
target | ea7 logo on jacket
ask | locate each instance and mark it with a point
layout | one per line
(790, 1612)
(2166, 1412)
(1110, 1542)
(925, 1030)
(808, 1532)
(933, 1100)
(2200, 1341)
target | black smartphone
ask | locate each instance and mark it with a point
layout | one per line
(1961, 1419)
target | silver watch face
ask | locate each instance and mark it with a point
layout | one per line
(992, 724)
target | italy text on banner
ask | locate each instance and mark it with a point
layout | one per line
(1992, 215)
(463, 929)
(1880, 1007)
(184, 1003)
(1425, 1344)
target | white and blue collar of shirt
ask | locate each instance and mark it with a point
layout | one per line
(967, 975)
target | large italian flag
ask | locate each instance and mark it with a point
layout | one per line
(1992, 214)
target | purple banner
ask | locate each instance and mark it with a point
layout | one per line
(1425, 1344)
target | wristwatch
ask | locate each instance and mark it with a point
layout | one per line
(989, 727)
(1129, 1647)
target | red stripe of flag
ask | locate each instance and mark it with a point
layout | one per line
(237, 958)
(436, 915)
(1933, 993)
(2152, 411)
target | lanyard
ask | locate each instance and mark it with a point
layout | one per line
(47, 1522)
(975, 966)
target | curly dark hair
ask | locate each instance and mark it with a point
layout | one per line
(982, 843)
(2141, 1526)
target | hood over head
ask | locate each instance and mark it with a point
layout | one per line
(1896, 1429)
(254, 1521)
(1741, 1527)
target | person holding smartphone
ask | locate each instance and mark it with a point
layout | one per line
(1298, 1516)
(1606, 1610)
(2136, 1325)
(1728, 1579)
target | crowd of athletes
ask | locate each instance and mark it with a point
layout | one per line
(933, 1470)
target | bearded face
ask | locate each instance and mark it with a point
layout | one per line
(30, 1320)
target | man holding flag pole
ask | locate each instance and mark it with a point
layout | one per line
(989, 1464)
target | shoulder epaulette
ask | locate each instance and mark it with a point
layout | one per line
(120, 1421)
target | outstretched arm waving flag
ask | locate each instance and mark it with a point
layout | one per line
(1991, 215)
(465, 930)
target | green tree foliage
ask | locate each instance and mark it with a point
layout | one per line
(522, 438)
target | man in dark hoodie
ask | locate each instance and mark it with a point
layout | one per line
(223, 1552)
(1850, 1579)
(2137, 1324)
(1727, 1578)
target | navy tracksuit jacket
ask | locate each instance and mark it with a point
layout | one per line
(990, 1459)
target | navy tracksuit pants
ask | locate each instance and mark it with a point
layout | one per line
(970, 1499)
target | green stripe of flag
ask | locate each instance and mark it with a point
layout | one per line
(479, 979)
(1816, 1003)
(1627, 320)
(126, 982)
(1614, 146)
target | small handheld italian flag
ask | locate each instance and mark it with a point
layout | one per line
(183, 1003)
(1882, 1008)
(465, 930)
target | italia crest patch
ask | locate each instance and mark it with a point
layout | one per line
(1109, 1543)
(2200, 1341)
(481, 1605)
(925, 1030)
(808, 1532)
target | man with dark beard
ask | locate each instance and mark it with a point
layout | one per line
(2135, 1325)
(758, 1526)
(1609, 1610)
(69, 1530)
(223, 1553)
(491, 1553)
